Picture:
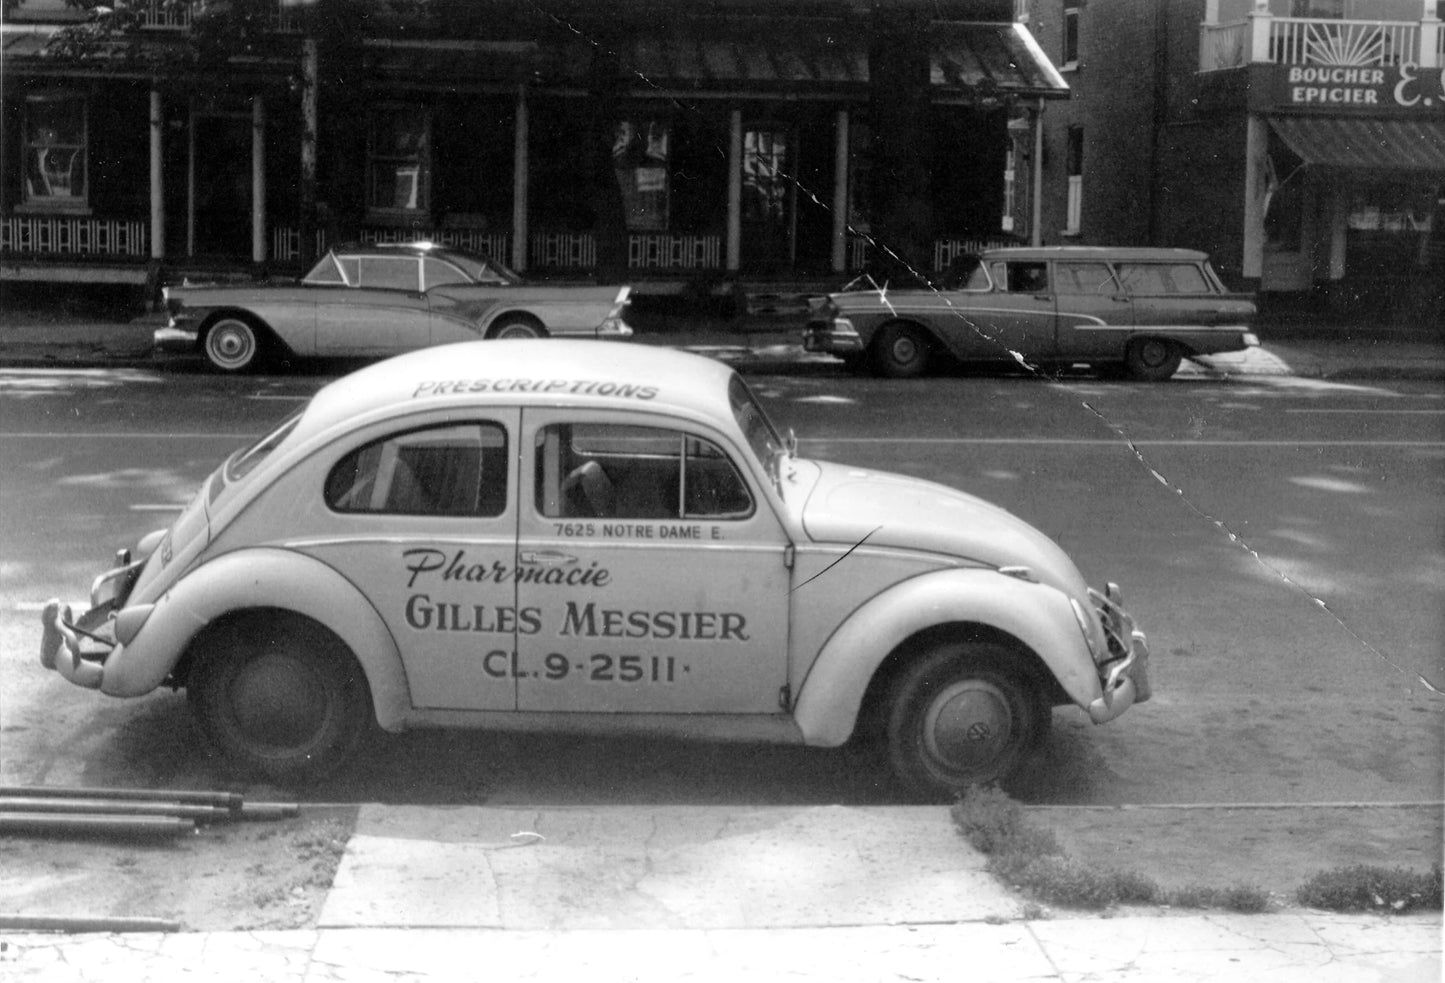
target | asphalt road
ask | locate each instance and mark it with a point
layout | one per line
(1280, 540)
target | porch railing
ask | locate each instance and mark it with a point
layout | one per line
(1320, 41)
(67, 237)
(674, 252)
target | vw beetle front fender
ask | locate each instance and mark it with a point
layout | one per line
(1038, 615)
(266, 578)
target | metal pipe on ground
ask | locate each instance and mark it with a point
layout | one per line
(99, 825)
(228, 800)
(114, 807)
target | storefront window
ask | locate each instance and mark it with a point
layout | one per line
(399, 159)
(1390, 228)
(640, 160)
(55, 151)
(765, 177)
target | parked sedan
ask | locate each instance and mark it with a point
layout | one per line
(379, 300)
(1143, 310)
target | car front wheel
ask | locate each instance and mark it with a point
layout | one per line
(900, 351)
(962, 714)
(279, 696)
(1152, 359)
(233, 344)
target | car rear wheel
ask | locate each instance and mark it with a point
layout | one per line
(279, 696)
(233, 344)
(901, 351)
(1152, 359)
(962, 714)
(516, 327)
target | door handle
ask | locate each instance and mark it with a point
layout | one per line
(546, 558)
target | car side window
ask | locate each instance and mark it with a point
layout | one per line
(390, 272)
(438, 273)
(1085, 278)
(1027, 278)
(1158, 279)
(622, 471)
(452, 470)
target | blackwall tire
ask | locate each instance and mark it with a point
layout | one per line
(234, 345)
(1152, 359)
(962, 714)
(279, 696)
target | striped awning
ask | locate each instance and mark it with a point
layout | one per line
(1370, 144)
(965, 59)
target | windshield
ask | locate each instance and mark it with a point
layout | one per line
(762, 437)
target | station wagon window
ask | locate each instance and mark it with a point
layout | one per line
(1022, 277)
(1157, 279)
(1085, 278)
(605, 470)
(389, 272)
(453, 470)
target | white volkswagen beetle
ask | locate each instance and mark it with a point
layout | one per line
(599, 538)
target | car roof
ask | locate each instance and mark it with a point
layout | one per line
(529, 372)
(1100, 253)
(419, 248)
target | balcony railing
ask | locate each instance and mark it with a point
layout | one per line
(1316, 41)
(161, 15)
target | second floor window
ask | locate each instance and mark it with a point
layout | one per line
(1071, 33)
(1074, 220)
(55, 151)
(399, 159)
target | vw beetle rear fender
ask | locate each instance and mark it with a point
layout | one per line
(262, 578)
(1038, 615)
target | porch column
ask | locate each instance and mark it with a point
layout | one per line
(519, 184)
(735, 191)
(1429, 36)
(258, 179)
(840, 193)
(1036, 174)
(1256, 147)
(310, 72)
(1339, 227)
(1259, 31)
(158, 188)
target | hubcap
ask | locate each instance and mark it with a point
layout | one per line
(1154, 354)
(905, 350)
(231, 345)
(276, 702)
(968, 725)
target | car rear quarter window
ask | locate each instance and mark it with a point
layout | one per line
(453, 470)
(1159, 279)
(439, 273)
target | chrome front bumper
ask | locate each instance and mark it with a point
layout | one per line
(1124, 676)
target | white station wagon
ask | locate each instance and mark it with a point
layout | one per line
(593, 537)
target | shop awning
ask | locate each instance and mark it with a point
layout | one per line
(965, 59)
(1373, 144)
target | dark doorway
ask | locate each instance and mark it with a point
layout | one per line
(768, 198)
(222, 169)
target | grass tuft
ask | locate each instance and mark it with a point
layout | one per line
(1362, 887)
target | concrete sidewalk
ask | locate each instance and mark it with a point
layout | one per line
(825, 893)
(768, 344)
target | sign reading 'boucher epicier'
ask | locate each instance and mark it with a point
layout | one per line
(1395, 90)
